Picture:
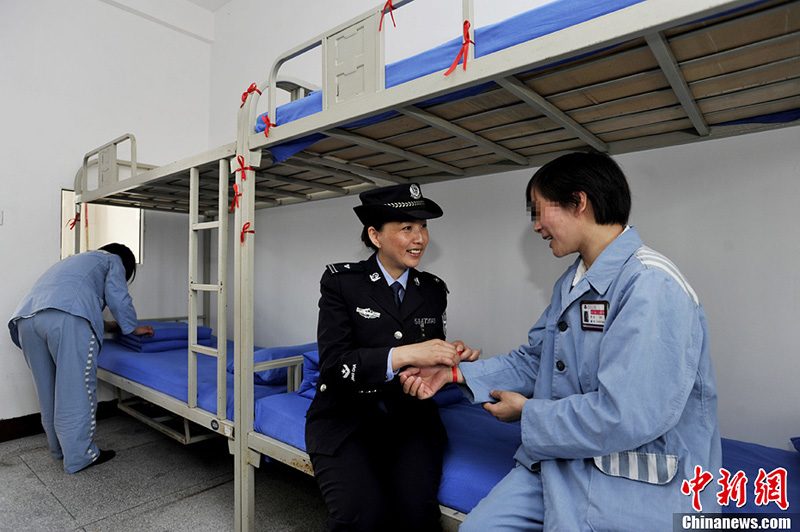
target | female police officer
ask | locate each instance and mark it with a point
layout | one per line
(615, 389)
(59, 326)
(376, 452)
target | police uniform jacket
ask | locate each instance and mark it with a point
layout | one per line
(359, 323)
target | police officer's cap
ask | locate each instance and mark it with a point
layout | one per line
(397, 203)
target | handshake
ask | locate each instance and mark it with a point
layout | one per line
(430, 365)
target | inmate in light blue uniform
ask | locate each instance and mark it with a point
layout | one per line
(59, 326)
(621, 411)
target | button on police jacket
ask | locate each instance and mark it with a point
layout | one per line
(358, 323)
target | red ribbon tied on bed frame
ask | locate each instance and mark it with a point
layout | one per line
(236, 195)
(267, 124)
(242, 168)
(246, 229)
(72, 221)
(464, 50)
(388, 5)
(251, 89)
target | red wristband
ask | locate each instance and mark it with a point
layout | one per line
(455, 374)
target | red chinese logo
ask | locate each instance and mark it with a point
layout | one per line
(771, 487)
(696, 485)
(733, 487)
(768, 487)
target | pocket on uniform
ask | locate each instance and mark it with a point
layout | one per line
(653, 468)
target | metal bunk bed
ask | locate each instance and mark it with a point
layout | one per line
(655, 73)
(174, 416)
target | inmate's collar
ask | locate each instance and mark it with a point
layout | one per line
(403, 279)
(581, 271)
(605, 267)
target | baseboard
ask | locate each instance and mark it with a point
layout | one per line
(21, 427)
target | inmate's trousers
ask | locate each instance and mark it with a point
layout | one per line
(515, 504)
(61, 351)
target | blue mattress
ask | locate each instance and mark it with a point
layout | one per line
(167, 372)
(478, 454)
(524, 27)
(480, 451)
(749, 458)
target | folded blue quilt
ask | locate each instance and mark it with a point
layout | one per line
(168, 373)
(167, 335)
(161, 345)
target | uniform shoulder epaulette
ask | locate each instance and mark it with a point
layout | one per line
(436, 280)
(345, 267)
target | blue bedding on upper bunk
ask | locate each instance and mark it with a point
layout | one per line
(524, 27)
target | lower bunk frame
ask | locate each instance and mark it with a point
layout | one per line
(299, 459)
(208, 425)
(189, 415)
(260, 445)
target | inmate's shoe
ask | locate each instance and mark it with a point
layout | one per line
(104, 456)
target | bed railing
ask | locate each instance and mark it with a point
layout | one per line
(108, 164)
(340, 81)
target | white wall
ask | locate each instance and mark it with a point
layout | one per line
(74, 75)
(719, 209)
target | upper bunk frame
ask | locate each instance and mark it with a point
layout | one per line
(657, 73)
(645, 76)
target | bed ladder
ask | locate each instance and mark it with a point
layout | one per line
(196, 289)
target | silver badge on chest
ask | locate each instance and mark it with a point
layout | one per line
(368, 313)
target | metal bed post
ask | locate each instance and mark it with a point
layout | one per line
(79, 187)
(245, 460)
(222, 276)
(194, 194)
(468, 15)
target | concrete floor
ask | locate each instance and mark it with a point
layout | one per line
(153, 484)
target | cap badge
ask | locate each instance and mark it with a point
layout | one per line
(415, 192)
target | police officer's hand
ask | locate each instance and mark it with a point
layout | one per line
(423, 383)
(508, 407)
(465, 353)
(431, 353)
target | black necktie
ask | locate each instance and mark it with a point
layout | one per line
(397, 288)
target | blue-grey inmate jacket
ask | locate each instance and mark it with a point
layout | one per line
(81, 285)
(621, 412)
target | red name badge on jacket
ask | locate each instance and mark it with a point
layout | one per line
(593, 315)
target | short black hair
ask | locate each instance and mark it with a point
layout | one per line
(128, 259)
(594, 173)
